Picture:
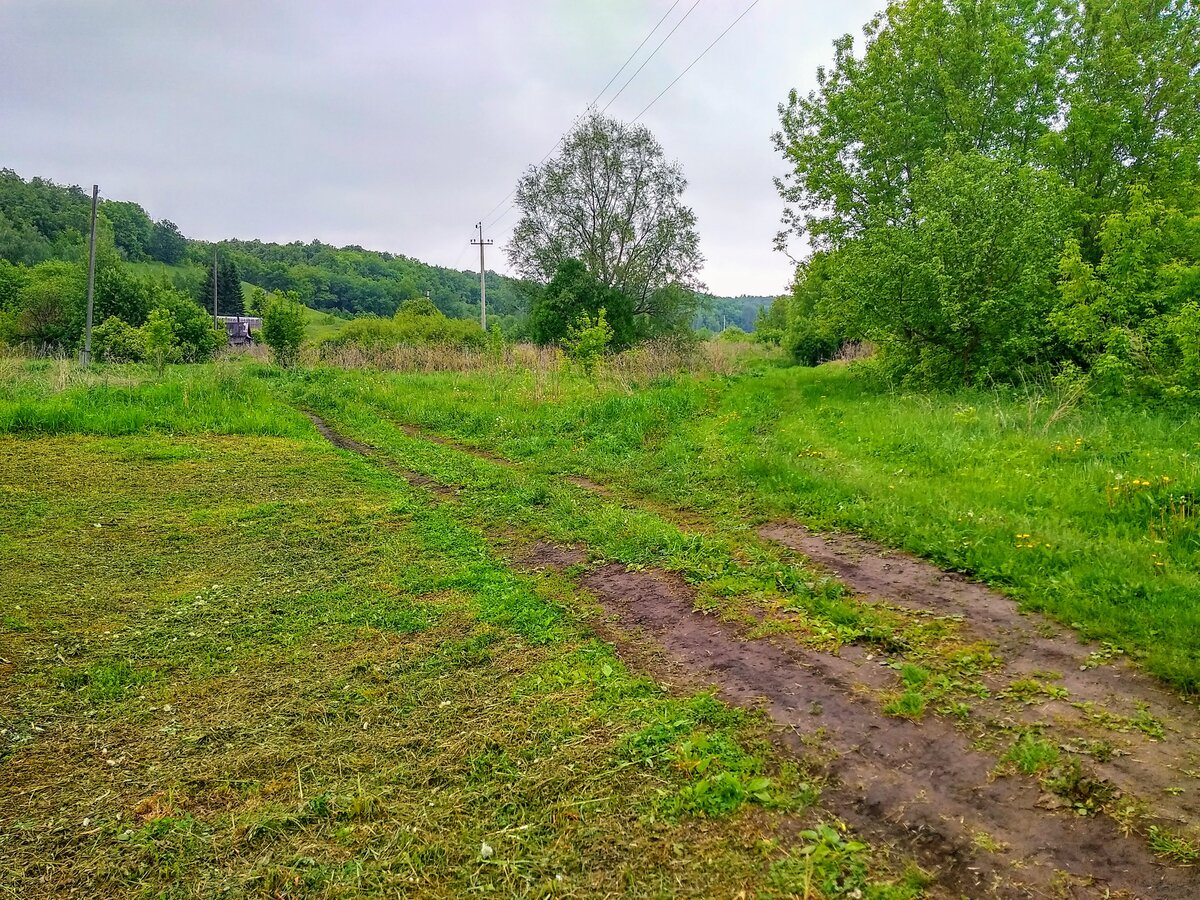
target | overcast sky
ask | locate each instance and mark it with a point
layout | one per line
(397, 125)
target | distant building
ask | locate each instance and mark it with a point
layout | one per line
(239, 328)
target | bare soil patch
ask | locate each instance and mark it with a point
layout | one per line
(921, 785)
(1103, 693)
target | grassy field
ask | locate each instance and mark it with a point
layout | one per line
(237, 660)
(1089, 514)
(319, 325)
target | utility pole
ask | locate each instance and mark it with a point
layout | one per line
(85, 357)
(216, 324)
(482, 277)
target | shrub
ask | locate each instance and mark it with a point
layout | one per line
(1133, 318)
(573, 295)
(160, 339)
(412, 326)
(283, 328)
(197, 338)
(587, 340)
(115, 340)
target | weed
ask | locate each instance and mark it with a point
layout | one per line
(909, 705)
(830, 863)
(1031, 754)
(1082, 793)
(1174, 847)
(105, 680)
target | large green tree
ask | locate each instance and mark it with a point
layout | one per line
(229, 300)
(610, 199)
(960, 170)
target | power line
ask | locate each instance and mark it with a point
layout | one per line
(596, 99)
(649, 35)
(697, 59)
(461, 254)
(653, 53)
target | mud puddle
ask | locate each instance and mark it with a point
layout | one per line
(1154, 734)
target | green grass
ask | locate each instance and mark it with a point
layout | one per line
(1031, 754)
(239, 660)
(1090, 516)
(207, 590)
(319, 326)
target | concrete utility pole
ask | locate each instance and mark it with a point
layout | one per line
(482, 277)
(85, 357)
(216, 324)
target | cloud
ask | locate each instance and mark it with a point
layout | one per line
(397, 125)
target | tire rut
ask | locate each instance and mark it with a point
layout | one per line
(919, 785)
(1029, 644)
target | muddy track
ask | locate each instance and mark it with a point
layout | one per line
(921, 786)
(1161, 770)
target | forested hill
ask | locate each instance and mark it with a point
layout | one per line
(718, 313)
(41, 220)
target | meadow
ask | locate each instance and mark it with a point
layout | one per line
(242, 659)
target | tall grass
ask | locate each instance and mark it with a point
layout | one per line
(56, 396)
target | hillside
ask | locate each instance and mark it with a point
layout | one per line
(41, 220)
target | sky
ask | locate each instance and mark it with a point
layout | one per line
(398, 125)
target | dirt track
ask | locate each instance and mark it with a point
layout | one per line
(921, 786)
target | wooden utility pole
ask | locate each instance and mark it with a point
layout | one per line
(85, 357)
(482, 277)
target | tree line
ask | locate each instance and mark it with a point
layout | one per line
(996, 187)
(634, 265)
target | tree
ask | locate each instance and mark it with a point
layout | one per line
(1130, 108)
(933, 76)
(159, 341)
(574, 293)
(229, 289)
(944, 167)
(167, 245)
(132, 229)
(52, 306)
(283, 328)
(612, 201)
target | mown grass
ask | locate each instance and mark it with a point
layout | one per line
(1088, 514)
(236, 662)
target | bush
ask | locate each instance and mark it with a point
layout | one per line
(160, 339)
(412, 326)
(1133, 319)
(587, 340)
(115, 340)
(572, 295)
(960, 294)
(195, 334)
(283, 328)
